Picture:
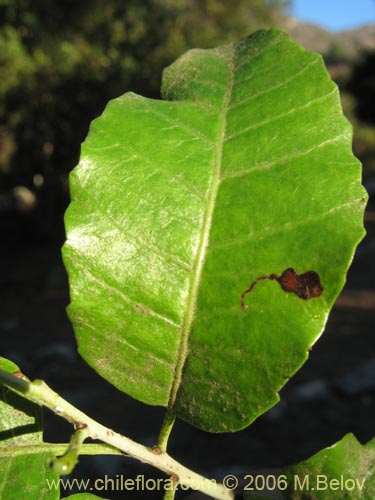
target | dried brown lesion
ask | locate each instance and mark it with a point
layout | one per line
(306, 286)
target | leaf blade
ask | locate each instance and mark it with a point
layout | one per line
(345, 470)
(20, 426)
(182, 184)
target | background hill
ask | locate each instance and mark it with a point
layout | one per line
(315, 38)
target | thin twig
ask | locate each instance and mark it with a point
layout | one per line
(39, 392)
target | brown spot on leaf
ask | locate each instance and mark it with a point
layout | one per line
(306, 286)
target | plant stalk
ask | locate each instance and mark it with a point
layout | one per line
(166, 430)
(40, 393)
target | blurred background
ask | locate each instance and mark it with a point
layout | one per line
(60, 62)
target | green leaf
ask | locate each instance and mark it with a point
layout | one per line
(22, 467)
(177, 206)
(344, 471)
(8, 366)
(84, 496)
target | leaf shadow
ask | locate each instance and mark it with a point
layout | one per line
(22, 405)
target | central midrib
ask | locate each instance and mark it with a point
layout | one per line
(203, 243)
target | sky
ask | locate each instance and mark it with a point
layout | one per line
(335, 15)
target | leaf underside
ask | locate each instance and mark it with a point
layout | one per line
(245, 169)
(343, 471)
(84, 496)
(23, 473)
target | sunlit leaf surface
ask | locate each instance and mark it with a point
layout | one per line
(244, 170)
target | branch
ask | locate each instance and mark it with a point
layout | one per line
(39, 392)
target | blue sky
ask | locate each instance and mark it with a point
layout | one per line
(335, 15)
